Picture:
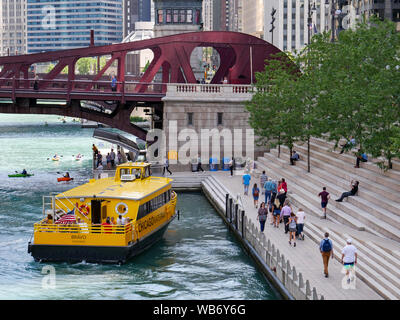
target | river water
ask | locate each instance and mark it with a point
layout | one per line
(198, 258)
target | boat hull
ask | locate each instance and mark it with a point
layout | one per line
(94, 254)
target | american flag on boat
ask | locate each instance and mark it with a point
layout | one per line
(68, 218)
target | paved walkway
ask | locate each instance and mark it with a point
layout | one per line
(305, 256)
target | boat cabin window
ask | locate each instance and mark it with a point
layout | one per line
(147, 172)
(153, 204)
(137, 173)
(124, 171)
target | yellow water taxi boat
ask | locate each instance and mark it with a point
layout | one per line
(107, 220)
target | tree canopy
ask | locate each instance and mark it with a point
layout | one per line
(347, 88)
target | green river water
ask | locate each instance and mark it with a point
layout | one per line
(198, 258)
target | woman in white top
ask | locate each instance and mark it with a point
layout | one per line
(300, 223)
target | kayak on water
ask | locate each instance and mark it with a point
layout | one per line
(55, 159)
(20, 175)
(64, 179)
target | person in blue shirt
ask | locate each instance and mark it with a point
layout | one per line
(246, 183)
(268, 187)
(361, 156)
(348, 145)
(113, 83)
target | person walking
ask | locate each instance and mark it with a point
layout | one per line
(262, 216)
(301, 216)
(286, 213)
(292, 227)
(256, 194)
(232, 165)
(324, 200)
(349, 259)
(246, 183)
(268, 186)
(276, 211)
(283, 185)
(199, 165)
(354, 189)
(99, 159)
(166, 166)
(108, 158)
(119, 156)
(263, 180)
(112, 158)
(36, 83)
(326, 249)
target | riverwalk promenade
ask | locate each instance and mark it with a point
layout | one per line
(306, 255)
(378, 256)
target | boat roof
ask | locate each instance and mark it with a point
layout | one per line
(109, 188)
(131, 164)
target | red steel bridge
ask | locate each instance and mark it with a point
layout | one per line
(241, 55)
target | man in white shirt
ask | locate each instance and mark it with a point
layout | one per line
(300, 223)
(349, 258)
(121, 221)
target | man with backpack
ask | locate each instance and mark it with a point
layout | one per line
(326, 249)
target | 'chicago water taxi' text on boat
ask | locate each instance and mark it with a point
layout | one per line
(105, 220)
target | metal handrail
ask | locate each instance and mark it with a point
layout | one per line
(66, 198)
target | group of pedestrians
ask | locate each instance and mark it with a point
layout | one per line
(277, 204)
(348, 259)
(110, 158)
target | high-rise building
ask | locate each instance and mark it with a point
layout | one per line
(56, 25)
(208, 15)
(228, 15)
(253, 18)
(13, 27)
(134, 11)
(292, 29)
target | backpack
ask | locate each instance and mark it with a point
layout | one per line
(256, 192)
(326, 246)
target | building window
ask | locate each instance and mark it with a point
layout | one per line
(189, 16)
(168, 18)
(160, 16)
(182, 16)
(219, 118)
(190, 118)
(176, 16)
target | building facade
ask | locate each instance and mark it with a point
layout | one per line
(292, 29)
(228, 15)
(253, 18)
(177, 16)
(134, 11)
(13, 27)
(56, 25)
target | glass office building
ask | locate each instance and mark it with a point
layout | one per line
(60, 24)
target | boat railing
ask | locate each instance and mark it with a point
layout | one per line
(65, 208)
(124, 234)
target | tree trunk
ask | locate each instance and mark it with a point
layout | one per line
(308, 155)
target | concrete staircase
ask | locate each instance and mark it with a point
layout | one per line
(377, 268)
(375, 209)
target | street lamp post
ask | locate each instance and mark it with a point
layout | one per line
(333, 13)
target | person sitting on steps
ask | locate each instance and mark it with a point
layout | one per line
(295, 157)
(352, 192)
(360, 156)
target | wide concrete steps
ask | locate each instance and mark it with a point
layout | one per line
(374, 268)
(302, 198)
(323, 145)
(365, 199)
(332, 173)
(329, 158)
(187, 182)
(306, 192)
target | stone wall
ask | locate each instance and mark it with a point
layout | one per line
(203, 103)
